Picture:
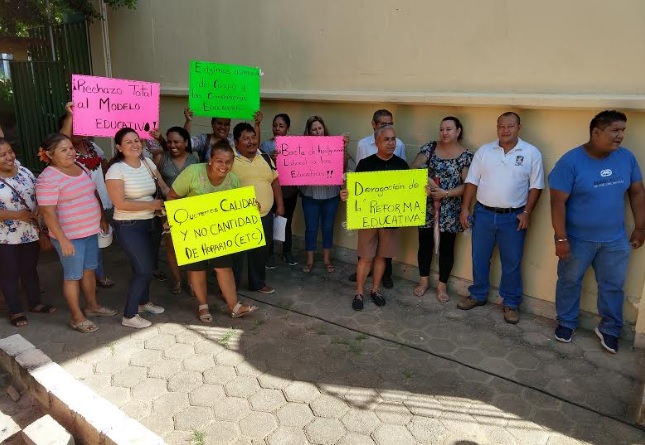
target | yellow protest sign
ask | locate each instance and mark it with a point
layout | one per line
(215, 224)
(395, 198)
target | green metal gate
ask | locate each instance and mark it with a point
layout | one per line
(41, 86)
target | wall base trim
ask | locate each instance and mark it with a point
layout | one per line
(452, 99)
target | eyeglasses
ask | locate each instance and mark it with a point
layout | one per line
(383, 124)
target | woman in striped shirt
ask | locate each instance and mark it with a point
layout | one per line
(319, 205)
(130, 181)
(66, 196)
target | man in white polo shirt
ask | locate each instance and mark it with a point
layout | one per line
(507, 178)
(367, 147)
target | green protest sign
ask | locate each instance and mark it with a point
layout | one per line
(219, 90)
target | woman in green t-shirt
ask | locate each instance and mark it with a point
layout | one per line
(200, 179)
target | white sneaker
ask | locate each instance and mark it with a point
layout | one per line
(151, 307)
(135, 322)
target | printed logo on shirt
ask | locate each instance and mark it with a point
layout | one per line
(519, 160)
(605, 173)
(607, 181)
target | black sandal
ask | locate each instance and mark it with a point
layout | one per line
(43, 309)
(357, 303)
(18, 320)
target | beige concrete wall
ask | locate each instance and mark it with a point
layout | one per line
(554, 132)
(555, 62)
(511, 47)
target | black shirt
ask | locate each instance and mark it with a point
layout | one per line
(375, 164)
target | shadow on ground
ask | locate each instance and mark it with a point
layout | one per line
(307, 366)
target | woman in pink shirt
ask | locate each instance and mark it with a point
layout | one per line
(66, 196)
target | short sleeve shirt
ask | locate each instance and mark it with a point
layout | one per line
(595, 208)
(193, 181)
(367, 147)
(504, 179)
(77, 208)
(258, 172)
(13, 231)
(138, 186)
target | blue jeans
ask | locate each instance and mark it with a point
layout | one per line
(609, 262)
(137, 239)
(319, 213)
(490, 229)
(100, 273)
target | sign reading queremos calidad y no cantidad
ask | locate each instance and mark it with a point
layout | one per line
(103, 105)
(395, 198)
(213, 225)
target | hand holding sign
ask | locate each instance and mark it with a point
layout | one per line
(226, 91)
(386, 199)
(215, 224)
(103, 105)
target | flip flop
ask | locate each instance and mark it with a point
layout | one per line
(420, 291)
(330, 268)
(238, 313)
(85, 326)
(308, 268)
(102, 311)
(176, 288)
(205, 317)
(105, 282)
(18, 320)
(443, 297)
(43, 309)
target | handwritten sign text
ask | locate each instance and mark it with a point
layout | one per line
(227, 91)
(386, 199)
(310, 160)
(102, 106)
(214, 225)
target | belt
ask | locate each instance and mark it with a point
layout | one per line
(501, 209)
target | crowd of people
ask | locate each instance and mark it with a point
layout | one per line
(81, 194)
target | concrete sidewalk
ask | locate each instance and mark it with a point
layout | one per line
(306, 368)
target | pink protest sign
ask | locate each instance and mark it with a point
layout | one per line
(102, 105)
(310, 160)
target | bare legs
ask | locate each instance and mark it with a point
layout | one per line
(72, 290)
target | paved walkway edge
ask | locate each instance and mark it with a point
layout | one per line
(89, 417)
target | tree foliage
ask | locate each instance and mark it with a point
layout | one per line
(17, 16)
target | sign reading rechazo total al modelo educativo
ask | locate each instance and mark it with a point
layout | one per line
(386, 199)
(216, 224)
(102, 106)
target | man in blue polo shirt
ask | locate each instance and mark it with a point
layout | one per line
(588, 186)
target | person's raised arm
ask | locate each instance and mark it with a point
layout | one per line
(66, 128)
(257, 125)
(188, 114)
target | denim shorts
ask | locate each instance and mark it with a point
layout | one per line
(86, 257)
